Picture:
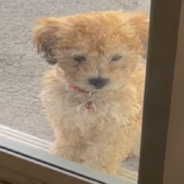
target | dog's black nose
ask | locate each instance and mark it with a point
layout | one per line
(98, 82)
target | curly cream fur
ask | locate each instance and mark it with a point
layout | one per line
(101, 137)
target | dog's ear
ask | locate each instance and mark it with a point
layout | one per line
(45, 37)
(140, 22)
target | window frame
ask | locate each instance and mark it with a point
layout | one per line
(162, 118)
(21, 163)
(162, 149)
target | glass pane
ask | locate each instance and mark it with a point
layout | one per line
(88, 107)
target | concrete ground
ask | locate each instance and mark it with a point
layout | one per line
(20, 66)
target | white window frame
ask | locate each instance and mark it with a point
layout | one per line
(162, 149)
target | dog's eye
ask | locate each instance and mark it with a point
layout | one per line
(79, 58)
(116, 57)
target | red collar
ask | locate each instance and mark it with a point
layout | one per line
(89, 104)
(80, 90)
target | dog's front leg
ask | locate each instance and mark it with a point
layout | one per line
(108, 157)
(64, 150)
(105, 158)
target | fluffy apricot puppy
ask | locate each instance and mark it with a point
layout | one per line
(94, 91)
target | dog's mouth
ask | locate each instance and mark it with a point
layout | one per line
(95, 85)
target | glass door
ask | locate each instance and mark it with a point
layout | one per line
(27, 134)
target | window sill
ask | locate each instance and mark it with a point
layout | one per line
(40, 148)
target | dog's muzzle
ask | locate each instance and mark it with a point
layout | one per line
(98, 83)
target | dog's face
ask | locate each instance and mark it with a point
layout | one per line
(97, 51)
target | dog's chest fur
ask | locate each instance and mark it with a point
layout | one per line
(66, 108)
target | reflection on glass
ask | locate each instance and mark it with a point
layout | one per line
(92, 94)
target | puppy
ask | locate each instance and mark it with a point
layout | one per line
(93, 94)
